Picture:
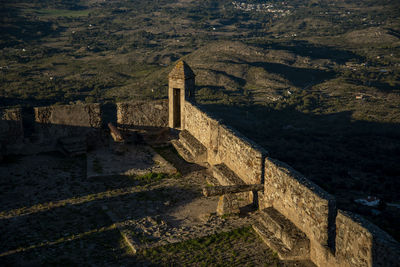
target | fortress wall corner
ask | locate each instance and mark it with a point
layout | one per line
(361, 243)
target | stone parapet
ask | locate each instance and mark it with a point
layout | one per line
(309, 207)
(142, 113)
(225, 145)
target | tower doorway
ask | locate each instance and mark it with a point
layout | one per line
(177, 107)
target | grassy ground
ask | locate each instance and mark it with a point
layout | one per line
(224, 249)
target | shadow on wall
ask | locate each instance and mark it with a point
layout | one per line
(33, 130)
(349, 159)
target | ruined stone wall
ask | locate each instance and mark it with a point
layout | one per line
(79, 115)
(11, 129)
(143, 113)
(46, 125)
(54, 122)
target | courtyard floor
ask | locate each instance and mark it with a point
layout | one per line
(81, 212)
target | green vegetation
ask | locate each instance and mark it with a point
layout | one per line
(150, 177)
(50, 13)
(221, 249)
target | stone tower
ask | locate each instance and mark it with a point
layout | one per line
(181, 88)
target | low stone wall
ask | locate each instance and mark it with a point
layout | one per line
(225, 145)
(53, 122)
(309, 207)
(197, 123)
(361, 243)
(143, 113)
(336, 237)
(11, 129)
(241, 155)
(79, 115)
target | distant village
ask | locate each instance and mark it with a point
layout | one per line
(266, 8)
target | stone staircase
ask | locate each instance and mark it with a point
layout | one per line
(72, 146)
(190, 148)
(225, 176)
(282, 236)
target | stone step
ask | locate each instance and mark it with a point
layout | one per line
(182, 151)
(274, 243)
(225, 176)
(286, 232)
(197, 149)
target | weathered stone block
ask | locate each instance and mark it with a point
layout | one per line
(11, 130)
(196, 149)
(228, 204)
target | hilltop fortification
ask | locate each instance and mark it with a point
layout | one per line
(298, 219)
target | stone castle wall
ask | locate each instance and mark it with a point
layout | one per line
(48, 124)
(143, 113)
(225, 145)
(241, 155)
(336, 238)
(361, 243)
(300, 200)
(54, 122)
